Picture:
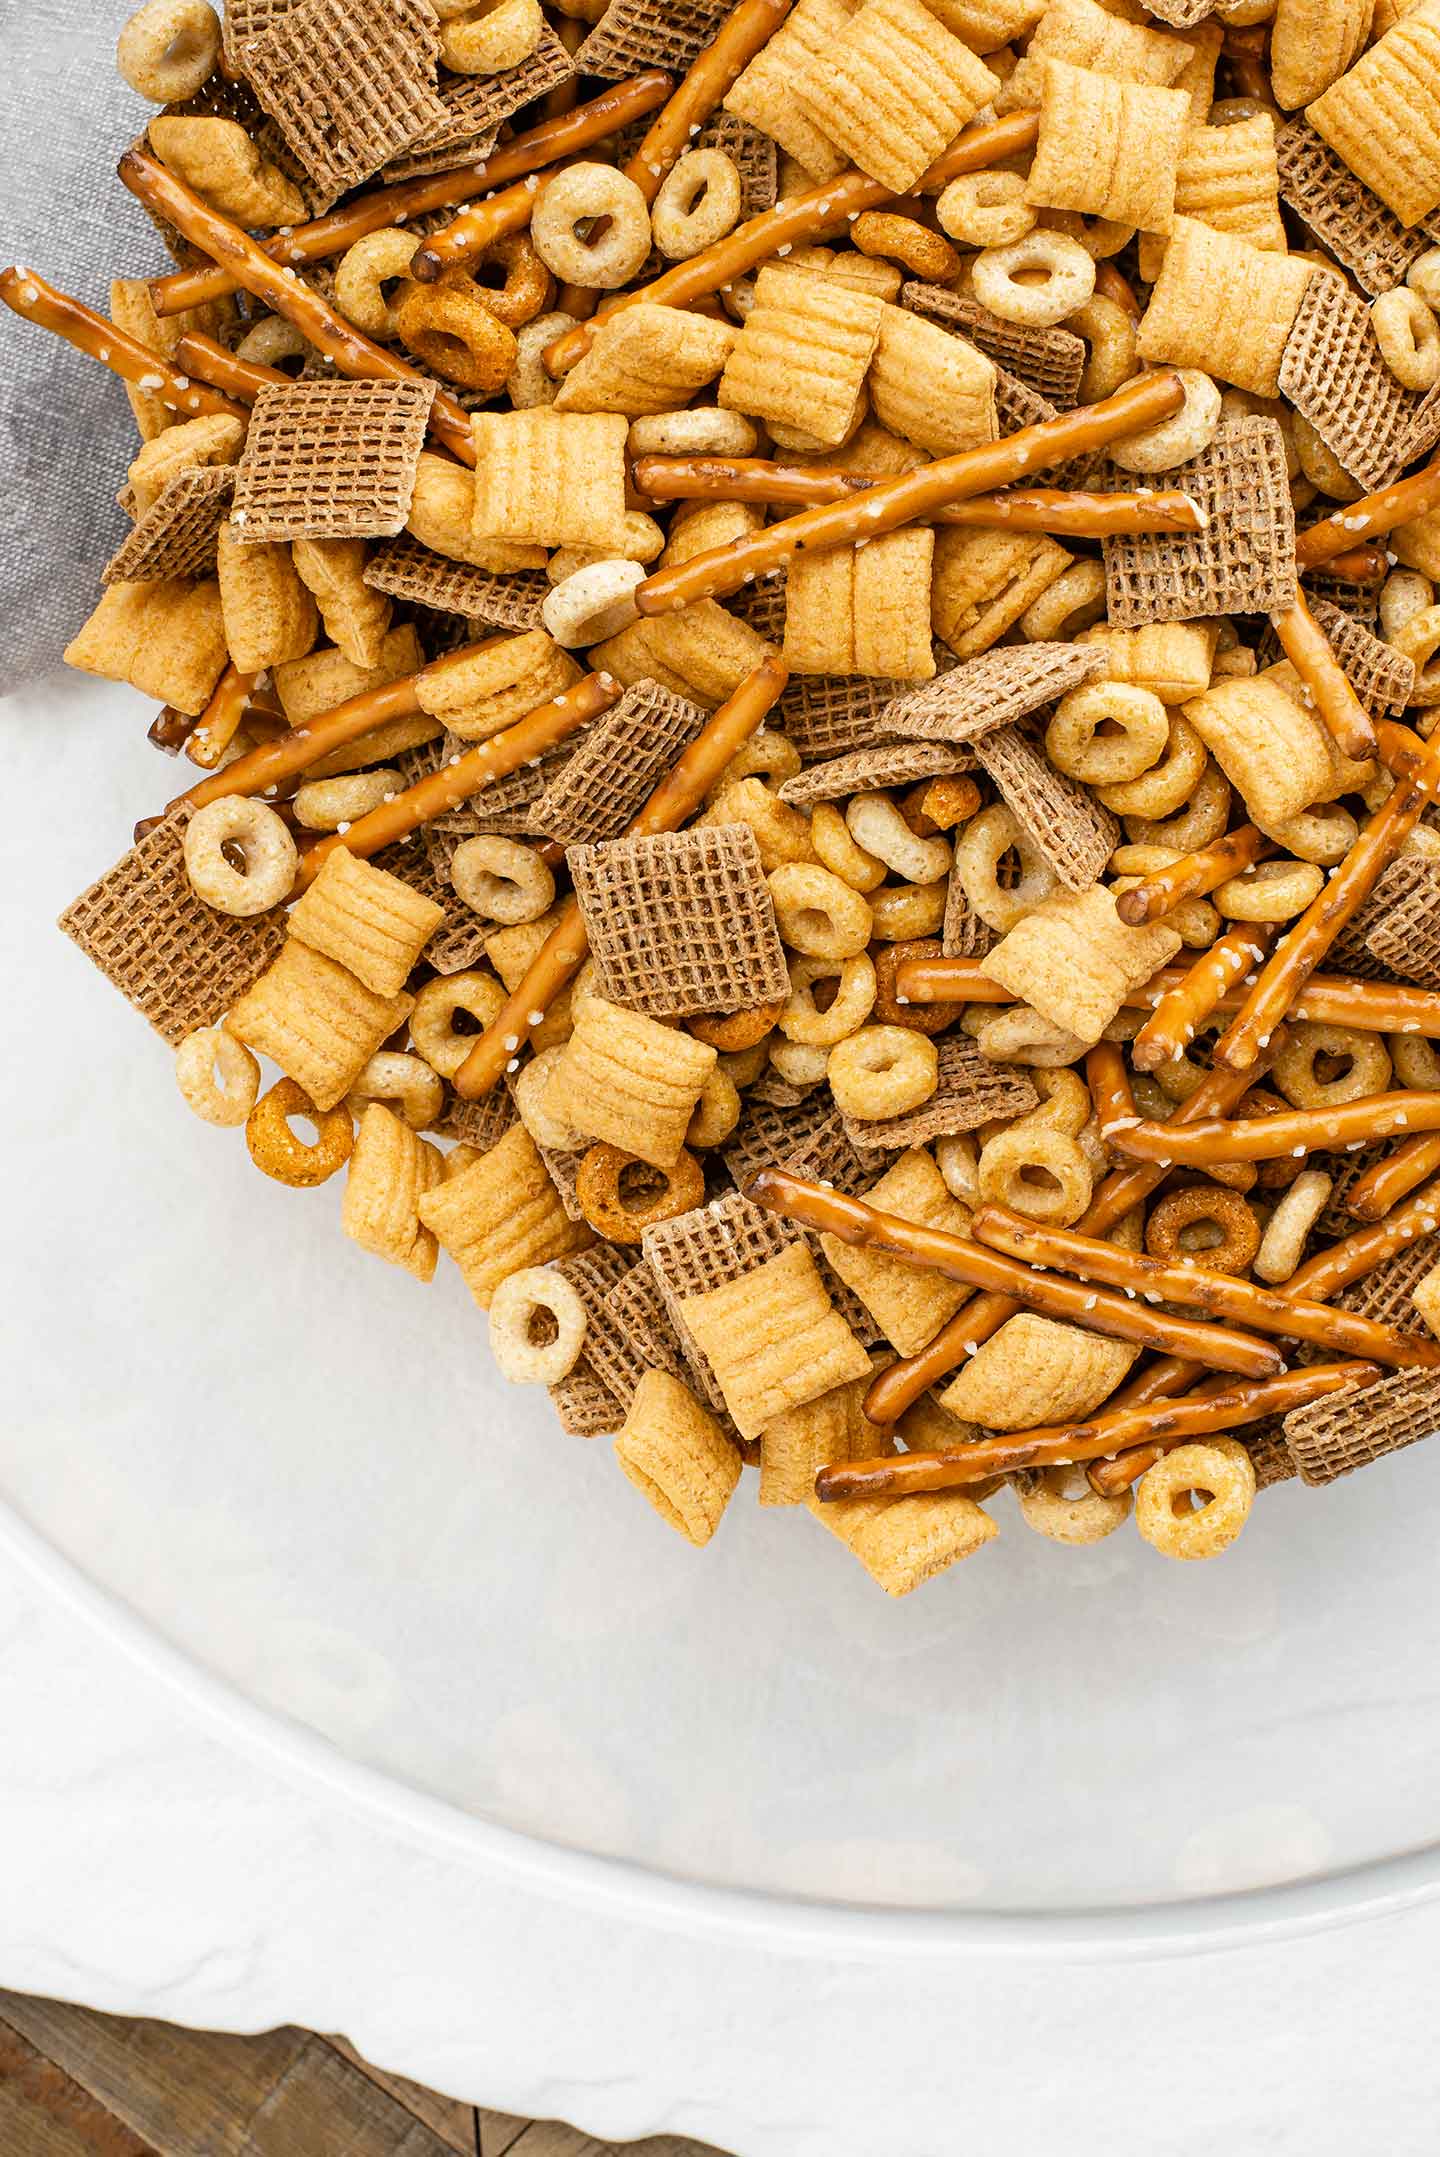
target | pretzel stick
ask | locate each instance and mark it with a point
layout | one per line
(1056, 1445)
(1361, 565)
(1112, 284)
(1359, 1253)
(243, 379)
(562, 954)
(301, 746)
(338, 229)
(1037, 509)
(813, 1205)
(1369, 518)
(35, 300)
(752, 24)
(1193, 874)
(1376, 1007)
(1307, 939)
(1382, 1187)
(1269, 1138)
(454, 783)
(1309, 651)
(353, 355)
(913, 496)
(823, 209)
(1294, 1318)
(217, 725)
(1183, 1010)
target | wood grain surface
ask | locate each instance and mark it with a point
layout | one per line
(77, 2084)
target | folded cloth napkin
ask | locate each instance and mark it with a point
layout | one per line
(66, 431)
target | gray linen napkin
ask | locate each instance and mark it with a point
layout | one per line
(66, 431)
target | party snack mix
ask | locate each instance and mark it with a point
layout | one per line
(809, 640)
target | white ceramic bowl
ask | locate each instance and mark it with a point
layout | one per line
(299, 1467)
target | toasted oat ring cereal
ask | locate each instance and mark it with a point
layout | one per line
(765, 755)
(1022, 1036)
(716, 1112)
(488, 41)
(817, 913)
(698, 203)
(448, 325)
(1423, 276)
(889, 1010)
(1202, 819)
(877, 826)
(1204, 1204)
(1067, 270)
(1075, 601)
(882, 1071)
(279, 1153)
(985, 209)
(834, 842)
(702, 431)
(1110, 334)
(1309, 1046)
(169, 49)
(1408, 336)
(850, 1006)
(600, 1183)
(432, 1027)
(1416, 1060)
(1219, 1472)
(331, 804)
(979, 851)
(531, 381)
(239, 857)
(592, 603)
(502, 879)
(528, 288)
(407, 1081)
(1168, 782)
(901, 913)
(537, 1327)
(734, 1031)
(1175, 440)
(1107, 732)
(361, 275)
(1036, 1169)
(217, 1075)
(596, 196)
(1270, 891)
(1059, 1503)
(1283, 1244)
(904, 240)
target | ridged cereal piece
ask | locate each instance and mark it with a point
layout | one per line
(1074, 833)
(314, 1019)
(802, 357)
(1228, 179)
(496, 687)
(929, 387)
(621, 758)
(356, 616)
(647, 359)
(1108, 149)
(1383, 115)
(893, 89)
(550, 479)
(794, 1447)
(391, 1169)
(1034, 1371)
(1084, 34)
(677, 1456)
(1172, 659)
(906, 1541)
(1074, 960)
(629, 1080)
(1224, 306)
(329, 459)
(764, 93)
(773, 1339)
(908, 1303)
(367, 920)
(133, 310)
(306, 687)
(987, 25)
(1272, 750)
(984, 581)
(213, 439)
(1312, 43)
(166, 638)
(217, 158)
(442, 517)
(268, 614)
(863, 610)
(501, 1214)
(701, 652)
(1417, 544)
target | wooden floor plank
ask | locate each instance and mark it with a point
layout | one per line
(43, 2113)
(446, 2117)
(551, 2138)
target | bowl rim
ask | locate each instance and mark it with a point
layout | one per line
(763, 1919)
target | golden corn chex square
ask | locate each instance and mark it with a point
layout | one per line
(677, 1456)
(314, 1019)
(1383, 116)
(317, 683)
(1228, 179)
(1074, 960)
(165, 638)
(355, 615)
(1224, 306)
(795, 1446)
(903, 1542)
(1108, 149)
(764, 92)
(479, 693)
(390, 1171)
(367, 920)
(501, 1214)
(908, 1303)
(773, 1339)
(647, 359)
(627, 1079)
(700, 651)
(863, 609)
(553, 479)
(1171, 659)
(803, 354)
(268, 614)
(1034, 1371)
(893, 90)
(195, 444)
(1087, 35)
(931, 387)
(983, 582)
(1272, 750)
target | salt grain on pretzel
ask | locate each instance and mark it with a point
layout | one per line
(1307, 647)
(1182, 1011)
(30, 296)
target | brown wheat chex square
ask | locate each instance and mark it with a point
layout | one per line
(618, 761)
(704, 1249)
(1075, 833)
(1341, 1432)
(809, 1139)
(682, 921)
(475, 106)
(636, 34)
(864, 770)
(1242, 563)
(1342, 213)
(177, 535)
(350, 83)
(971, 1091)
(993, 690)
(1334, 375)
(406, 570)
(330, 460)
